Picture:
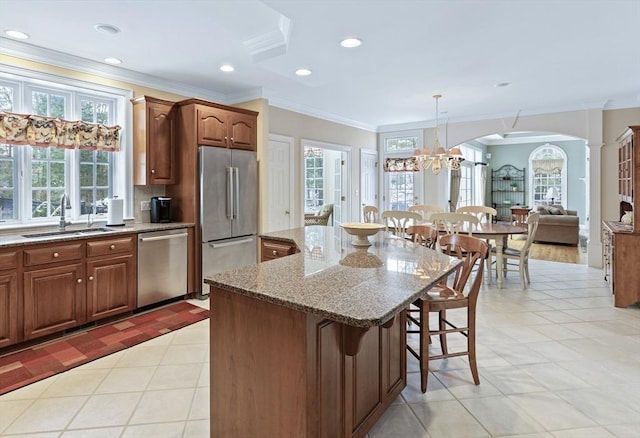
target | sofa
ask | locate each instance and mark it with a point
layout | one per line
(557, 225)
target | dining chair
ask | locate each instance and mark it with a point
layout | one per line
(453, 223)
(397, 221)
(370, 213)
(423, 235)
(472, 251)
(426, 210)
(514, 259)
(480, 211)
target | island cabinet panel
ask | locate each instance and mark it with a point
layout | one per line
(279, 372)
(53, 300)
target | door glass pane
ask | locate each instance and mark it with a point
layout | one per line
(401, 190)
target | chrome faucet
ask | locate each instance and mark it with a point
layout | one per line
(65, 204)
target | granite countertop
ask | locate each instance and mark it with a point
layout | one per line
(16, 237)
(360, 287)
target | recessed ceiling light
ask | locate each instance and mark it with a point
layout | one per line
(114, 61)
(227, 68)
(303, 72)
(106, 28)
(16, 34)
(501, 84)
(350, 43)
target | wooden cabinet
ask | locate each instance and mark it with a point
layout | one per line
(66, 284)
(153, 141)
(272, 249)
(9, 310)
(222, 126)
(111, 277)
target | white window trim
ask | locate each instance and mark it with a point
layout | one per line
(123, 171)
(418, 180)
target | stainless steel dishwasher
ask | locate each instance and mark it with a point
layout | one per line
(162, 265)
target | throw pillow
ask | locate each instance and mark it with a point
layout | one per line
(542, 209)
(557, 209)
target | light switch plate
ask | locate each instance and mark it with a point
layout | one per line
(145, 205)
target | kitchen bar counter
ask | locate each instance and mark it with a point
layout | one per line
(314, 344)
(16, 237)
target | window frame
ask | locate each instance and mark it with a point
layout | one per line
(418, 177)
(563, 176)
(121, 163)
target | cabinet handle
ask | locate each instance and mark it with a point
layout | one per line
(153, 171)
(231, 139)
(90, 277)
(56, 255)
(275, 252)
(79, 280)
(226, 138)
(112, 246)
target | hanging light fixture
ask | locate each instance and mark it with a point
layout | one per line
(440, 157)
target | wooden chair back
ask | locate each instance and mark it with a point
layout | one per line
(423, 235)
(482, 212)
(426, 210)
(470, 250)
(397, 221)
(370, 213)
(532, 225)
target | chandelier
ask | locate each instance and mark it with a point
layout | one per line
(440, 157)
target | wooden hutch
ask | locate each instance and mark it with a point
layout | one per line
(621, 242)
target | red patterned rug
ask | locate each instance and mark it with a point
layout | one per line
(30, 365)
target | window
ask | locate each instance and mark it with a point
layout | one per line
(548, 164)
(33, 178)
(402, 189)
(314, 179)
(471, 183)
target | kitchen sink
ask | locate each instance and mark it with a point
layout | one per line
(69, 232)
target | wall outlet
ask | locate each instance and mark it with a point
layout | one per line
(145, 205)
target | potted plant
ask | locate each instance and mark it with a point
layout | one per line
(514, 186)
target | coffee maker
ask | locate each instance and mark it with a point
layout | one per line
(160, 209)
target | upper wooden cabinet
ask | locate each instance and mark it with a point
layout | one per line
(221, 126)
(153, 141)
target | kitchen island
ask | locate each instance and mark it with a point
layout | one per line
(313, 344)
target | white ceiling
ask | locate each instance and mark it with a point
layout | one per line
(556, 54)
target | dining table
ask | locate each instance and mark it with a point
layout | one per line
(498, 232)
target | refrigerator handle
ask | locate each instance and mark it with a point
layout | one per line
(230, 195)
(236, 192)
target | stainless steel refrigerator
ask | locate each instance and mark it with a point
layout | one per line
(228, 209)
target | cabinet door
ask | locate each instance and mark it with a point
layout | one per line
(8, 308)
(110, 287)
(53, 300)
(160, 145)
(243, 131)
(212, 128)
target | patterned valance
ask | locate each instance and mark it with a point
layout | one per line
(401, 165)
(29, 129)
(547, 167)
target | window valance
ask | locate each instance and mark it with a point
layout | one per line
(30, 129)
(401, 165)
(547, 167)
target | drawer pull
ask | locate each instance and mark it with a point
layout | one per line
(90, 277)
(153, 171)
(275, 252)
(79, 280)
(56, 255)
(112, 246)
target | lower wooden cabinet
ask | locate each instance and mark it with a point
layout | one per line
(621, 252)
(54, 300)
(8, 308)
(110, 287)
(49, 288)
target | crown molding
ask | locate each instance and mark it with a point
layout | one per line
(58, 59)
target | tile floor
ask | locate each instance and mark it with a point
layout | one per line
(557, 360)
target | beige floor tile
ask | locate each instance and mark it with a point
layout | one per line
(399, 421)
(551, 411)
(163, 406)
(197, 429)
(446, 418)
(500, 416)
(47, 414)
(10, 410)
(103, 432)
(142, 355)
(77, 381)
(175, 376)
(126, 380)
(164, 430)
(599, 406)
(185, 354)
(106, 410)
(200, 405)
(588, 432)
